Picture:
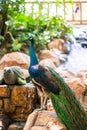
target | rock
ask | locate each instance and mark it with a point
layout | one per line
(77, 82)
(50, 121)
(63, 45)
(56, 43)
(65, 73)
(47, 54)
(82, 74)
(17, 101)
(26, 74)
(13, 75)
(15, 59)
(39, 128)
(47, 62)
(16, 126)
(78, 86)
(1, 76)
(5, 121)
(4, 91)
(56, 53)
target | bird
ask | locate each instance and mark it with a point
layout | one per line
(66, 105)
(41, 77)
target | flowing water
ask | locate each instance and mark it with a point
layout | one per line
(77, 59)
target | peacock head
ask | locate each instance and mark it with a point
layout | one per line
(31, 38)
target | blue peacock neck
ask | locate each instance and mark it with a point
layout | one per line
(33, 57)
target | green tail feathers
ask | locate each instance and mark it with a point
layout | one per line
(67, 106)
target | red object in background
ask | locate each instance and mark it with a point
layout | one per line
(77, 8)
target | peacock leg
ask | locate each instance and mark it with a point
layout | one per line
(44, 98)
(42, 102)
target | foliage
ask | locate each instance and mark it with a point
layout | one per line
(67, 106)
(43, 27)
(47, 29)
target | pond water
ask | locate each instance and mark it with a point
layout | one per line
(77, 59)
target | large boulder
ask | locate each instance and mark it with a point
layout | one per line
(62, 45)
(47, 54)
(15, 59)
(43, 120)
(25, 71)
(47, 62)
(56, 43)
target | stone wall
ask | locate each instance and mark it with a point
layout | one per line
(17, 101)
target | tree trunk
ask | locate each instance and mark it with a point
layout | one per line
(3, 17)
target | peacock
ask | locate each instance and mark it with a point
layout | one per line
(41, 77)
(67, 106)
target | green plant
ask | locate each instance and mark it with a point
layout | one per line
(16, 46)
(44, 27)
(47, 29)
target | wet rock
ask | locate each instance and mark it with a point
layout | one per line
(15, 58)
(56, 43)
(56, 53)
(43, 120)
(62, 45)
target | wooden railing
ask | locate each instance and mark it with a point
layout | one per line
(76, 13)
